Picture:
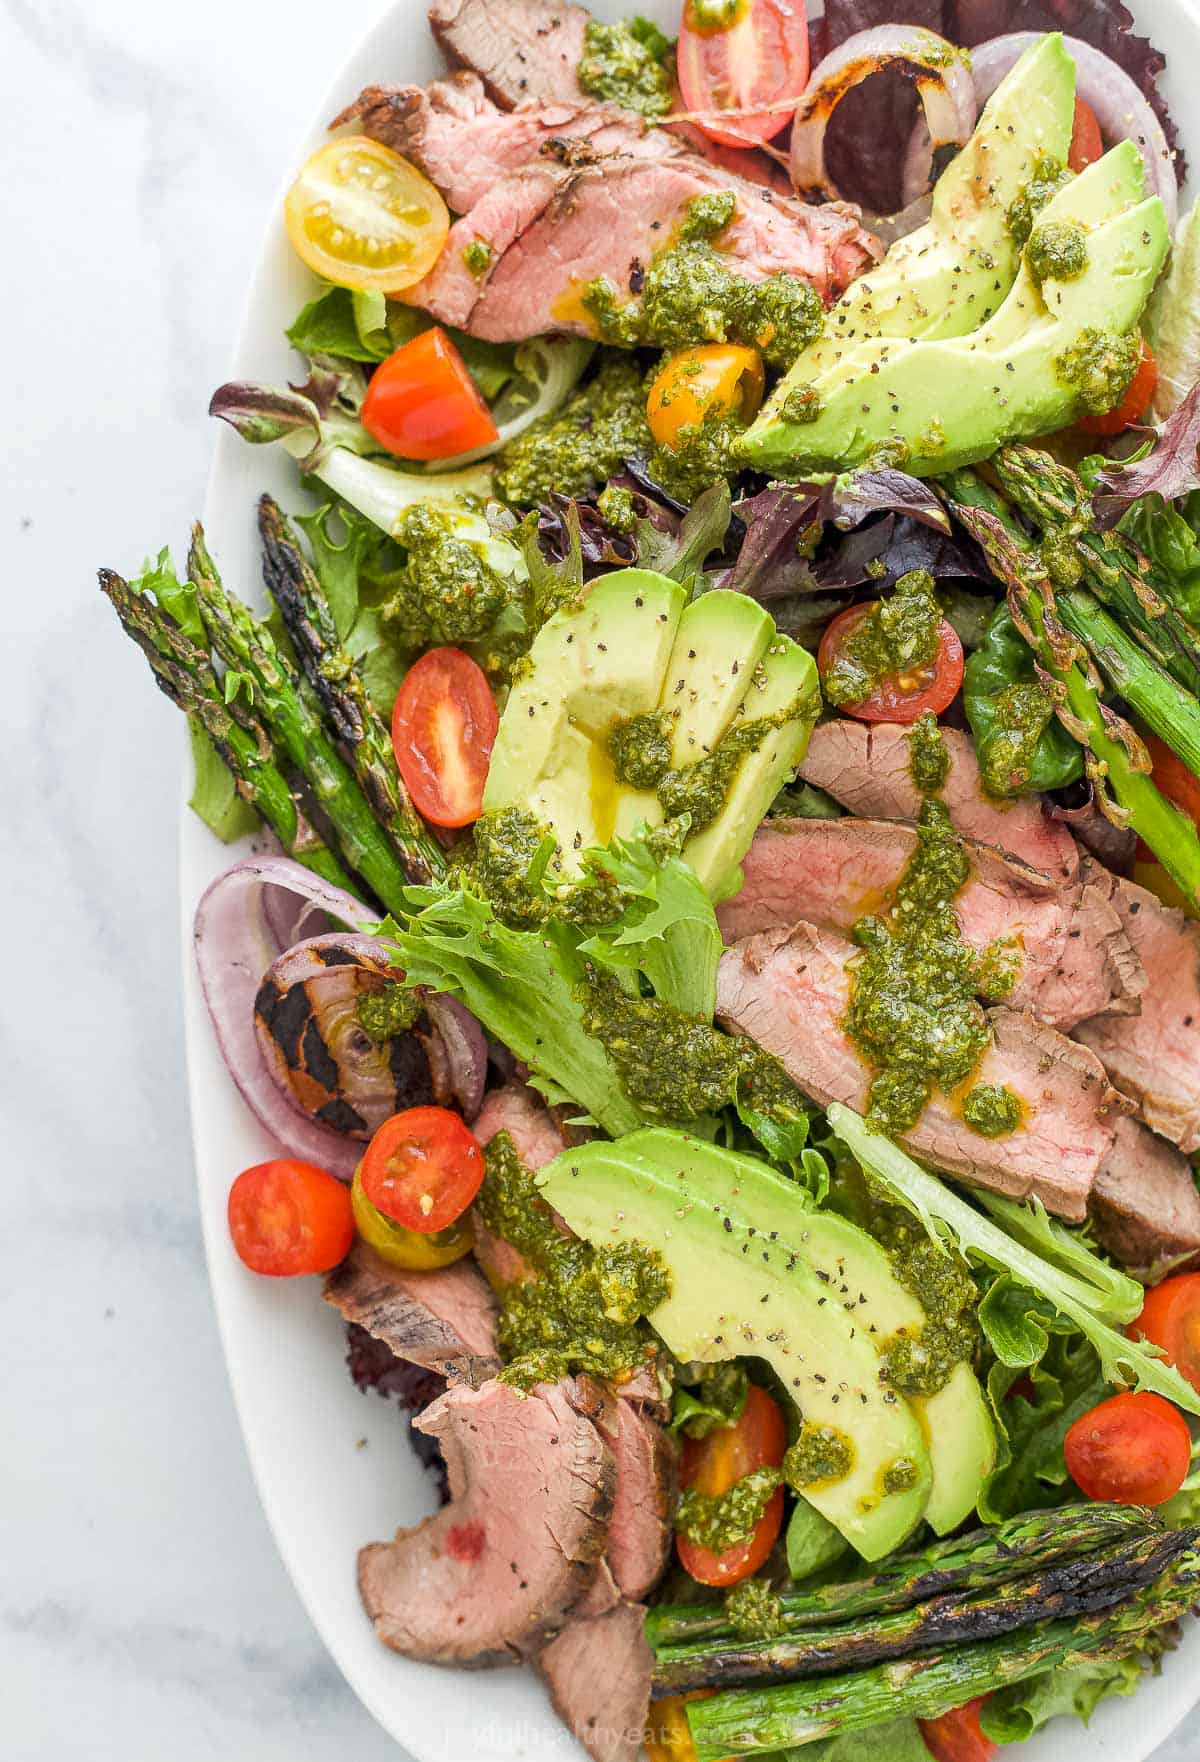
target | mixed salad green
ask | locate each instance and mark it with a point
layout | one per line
(682, 721)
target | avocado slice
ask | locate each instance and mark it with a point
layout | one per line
(629, 647)
(939, 404)
(785, 677)
(590, 665)
(755, 1270)
(962, 1447)
(721, 638)
(950, 275)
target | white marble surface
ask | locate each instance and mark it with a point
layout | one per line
(144, 1613)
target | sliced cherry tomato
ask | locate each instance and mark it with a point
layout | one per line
(423, 404)
(1134, 404)
(1134, 1448)
(1173, 778)
(739, 55)
(956, 1736)
(1086, 144)
(365, 218)
(422, 1169)
(413, 1249)
(1170, 1318)
(443, 729)
(903, 696)
(289, 1217)
(713, 376)
(712, 1465)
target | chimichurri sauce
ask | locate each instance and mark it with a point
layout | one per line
(915, 1011)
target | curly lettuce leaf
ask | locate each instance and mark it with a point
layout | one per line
(523, 985)
(668, 930)
(1082, 1300)
(1014, 1714)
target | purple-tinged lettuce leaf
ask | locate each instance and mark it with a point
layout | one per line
(847, 500)
(1170, 469)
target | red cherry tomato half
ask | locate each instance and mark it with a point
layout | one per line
(1134, 1448)
(760, 58)
(288, 1217)
(901, 697)
(1134, 404)
(1173, 779)
(1086, 145)
(423, 404)
(956, 1736)
(1170, 1318)
(712, 1465)
(443, 728)
(422, 1169)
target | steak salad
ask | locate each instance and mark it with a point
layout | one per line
(716, 932)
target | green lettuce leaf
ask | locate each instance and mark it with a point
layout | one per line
(342, 322)
(214, 797)
(1033, 1409)
(523, 986)
(668, 931)
(900, 1741)
(1012, 1715)
(1083, 1296)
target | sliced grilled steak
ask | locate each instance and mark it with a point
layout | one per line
(1067, 938)
(866, 768)
(640, 1531)
(1145, 1206)
(465, 144)
(444, 1320)
(598, 1672)
(789, 991)
(521, 49)
(1155, 1055)
(496, 1572)
(553, 232)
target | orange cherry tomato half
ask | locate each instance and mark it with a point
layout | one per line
(757, 60)
(443, 729)
(901, 697)
(956, 1736)
(1134, 1448)
(1134, 404)
(712, 376)
(423, 404)
(422, 1169)
(289, 1217)
(1170, 1318)
(712, 1465)
(1086, 144)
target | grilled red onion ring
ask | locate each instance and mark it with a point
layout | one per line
(235, 947)
(938, 71)
(1121, 109)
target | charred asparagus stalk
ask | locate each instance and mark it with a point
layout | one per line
(748, 1721)
(982, 1560)
(1065, 1588)
(184, 672)
(338, 683)
(1157, 700)
(1117, 761)
(1055, 499)
(290, 714)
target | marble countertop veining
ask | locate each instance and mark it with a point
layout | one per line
(144, 1612)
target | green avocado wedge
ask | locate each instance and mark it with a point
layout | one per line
(951, 275)
(932, 405)
(631, 647)
(756, 1271)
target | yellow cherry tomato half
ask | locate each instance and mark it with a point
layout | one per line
(722, 377)
(407, 1248)
(363, 217)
